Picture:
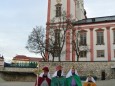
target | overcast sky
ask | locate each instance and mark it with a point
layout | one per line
(18, 17)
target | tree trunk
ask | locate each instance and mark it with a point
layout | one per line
(59, 58)
(77, 58)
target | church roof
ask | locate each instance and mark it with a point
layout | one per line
(95, 20)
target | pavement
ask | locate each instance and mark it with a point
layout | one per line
(98, 83)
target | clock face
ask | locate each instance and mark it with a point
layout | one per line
(58, 1)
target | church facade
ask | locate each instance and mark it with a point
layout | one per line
(96, 35)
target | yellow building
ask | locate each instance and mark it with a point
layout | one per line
(22, 60)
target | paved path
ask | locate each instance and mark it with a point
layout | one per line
(99, 83)
(106, 83)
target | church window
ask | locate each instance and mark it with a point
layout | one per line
(114, 53)
(113, 36)
(83, 54)
(100, 53)
(58, 10)
(57, 36)
(100, 37)
(83, 38)
(57, 43)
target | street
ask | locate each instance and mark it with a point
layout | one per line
(99, 83)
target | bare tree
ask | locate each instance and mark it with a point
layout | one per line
(36, 41)
(58, 27)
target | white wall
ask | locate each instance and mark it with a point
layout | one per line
(100, 47)
(112, 45)
(53, 8)
(1, 63)
(72, 9)
(79, 11)
(88, 45)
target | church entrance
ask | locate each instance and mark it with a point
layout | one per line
(103, 75)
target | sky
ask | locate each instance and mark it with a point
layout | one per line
(19, 17)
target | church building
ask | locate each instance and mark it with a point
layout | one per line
(96, 35)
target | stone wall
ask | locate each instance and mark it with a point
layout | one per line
(84, 68)
(14, 76)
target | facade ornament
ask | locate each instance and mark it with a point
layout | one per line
(58, 1)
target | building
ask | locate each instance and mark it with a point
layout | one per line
(71, 7)
(99, 35)
(1, 61)
(22, 60)
(25, 59)
(96, 35)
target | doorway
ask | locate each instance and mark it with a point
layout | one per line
(103, 75)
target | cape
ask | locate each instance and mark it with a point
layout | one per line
(89, 84)
(77, 80)
(41, 79)
(58, 81)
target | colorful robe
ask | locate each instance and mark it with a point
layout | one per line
(58, 81)
(89, 84)
(41, 80)
(76, 78)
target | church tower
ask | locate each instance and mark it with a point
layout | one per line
(74, 10)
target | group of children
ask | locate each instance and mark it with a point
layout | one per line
(58, 79)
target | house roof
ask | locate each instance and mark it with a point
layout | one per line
(95, 20)
(23, 58)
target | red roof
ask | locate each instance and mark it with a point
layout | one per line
(23, 57)
(35, 59)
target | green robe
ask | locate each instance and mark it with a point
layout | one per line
(77, 80)
(58, 81)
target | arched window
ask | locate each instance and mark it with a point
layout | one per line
(83, 37)
(100, 37)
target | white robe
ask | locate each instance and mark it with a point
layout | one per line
(70, 73)
(41, 75)
(55, 74)
(92, 79)
(44, 83)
